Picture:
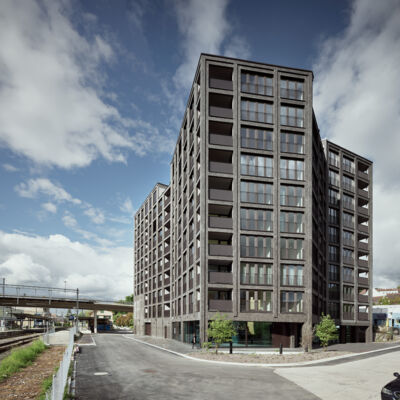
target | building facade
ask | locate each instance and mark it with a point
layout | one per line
(244, 227)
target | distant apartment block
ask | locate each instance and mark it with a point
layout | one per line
(262, 220)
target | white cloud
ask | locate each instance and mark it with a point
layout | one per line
(35, 187)
(69, 220)
(53, 112)
(357, 102)
(10, 168)
(102, 272)
(237, 48)
(50, 207)
(127, 206)
(96, 215)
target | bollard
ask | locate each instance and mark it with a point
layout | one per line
(280, 349)
(230, 347)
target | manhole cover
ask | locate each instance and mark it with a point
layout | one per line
(149, 371)
(100, 373)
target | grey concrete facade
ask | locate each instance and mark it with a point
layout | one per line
(242, 227)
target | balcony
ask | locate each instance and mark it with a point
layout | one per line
(167, 281)
(348, 316)
(363, 281)
(220, 305)
(223, 84)
(363, 246)
(220, 222)
(221, 140)
(363, 298)
(363, 316)
(220, 277)
(220, 250)
(363, 263)
(363, 228)
(221, 112)
(220, 167)
(363, 175)
(166, 297)
(363, 211)
(220, 194)
(363, 193)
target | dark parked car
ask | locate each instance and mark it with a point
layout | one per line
(391, 391)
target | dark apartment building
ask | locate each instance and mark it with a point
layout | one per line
(262, 221)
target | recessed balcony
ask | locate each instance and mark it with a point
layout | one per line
(348, 316)
(363, 298)
(363, 246)
(220, 106)
(220, 305)
(220, 277)
(220, 77)
(220, 194)
(224, 250)
(363, 316)
(219, 222)
(363, 281)
(362, 263)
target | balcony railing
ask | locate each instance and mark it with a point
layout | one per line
(256, 279)
(223, 84)
(220, 305)
(348, 316)
(220, 222)
(221, 112)
(363, 281)
(363, 193)
(363, 246)
(220, 250)
(363, 316)
(363, 175)
(221, 140)
(220, 277)
(362, 298)
(363, 210)
(348, 278)
(362, 263)
(220, 194)
(363, 228)
(221, 167)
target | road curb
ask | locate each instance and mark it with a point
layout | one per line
(297, 364)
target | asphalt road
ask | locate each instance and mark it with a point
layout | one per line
(135, 371)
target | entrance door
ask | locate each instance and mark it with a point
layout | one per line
(147, 328)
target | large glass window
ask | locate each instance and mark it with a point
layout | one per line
(292, 196)
(348, 238)
(348, 201)
(333, 234)
(255, 301)
(257, 84)
(255, 246)
(255, 219)
(348, 220)
(292, 142)
(333, 178)
(348, 165)
(256, 165)
(252, 138)
(291, 222)
(333, 253)
(292, 302)
(348, 183)
(254, 192)
(334, 197)
(334, 272)
(291, 89)
(252, 333)
(255, 274)
(292, 275)
(348, 256)
(291, 249)
(256, 111)
(292, 116)
(334, 159)
(333, 216)
(292, 169)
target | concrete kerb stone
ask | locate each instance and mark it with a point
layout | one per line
(295, 364)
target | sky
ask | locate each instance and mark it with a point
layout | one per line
(92, 95)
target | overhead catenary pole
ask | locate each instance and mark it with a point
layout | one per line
(3, 322)
(77, 307)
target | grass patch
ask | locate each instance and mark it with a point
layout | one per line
(46, 385)
(20, 358)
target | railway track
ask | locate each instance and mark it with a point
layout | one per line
(10, 343)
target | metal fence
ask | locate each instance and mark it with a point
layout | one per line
(61, 376)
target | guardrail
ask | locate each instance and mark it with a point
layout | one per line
(61, 377)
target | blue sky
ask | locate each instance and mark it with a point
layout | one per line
(91, 99)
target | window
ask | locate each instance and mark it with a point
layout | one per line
(255, 301)
(292, 169)
(333, 291)
(348, 220)
(348, 183)
(333, 272)
(348, 274)
(333, 216)
(333, 234)
(333, 310)
(348, 238)
(260, 139)
(292, 116)
(255, 246)
(333, 253)
(253, 192)
(334, 197)
(333, 178)
(292, 302)
(291, 249)
(292, 143)
(255, 220)
(255, 274)
(292, 275)
(256, 112)
(348, 201)
(292, 196)
(257, 84)
(348, 256)
(334, 159)
(256, 165)
(291, 222)
(348, 165)
(291, 89)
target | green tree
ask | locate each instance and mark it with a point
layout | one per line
(326, 330)
(220, 330)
